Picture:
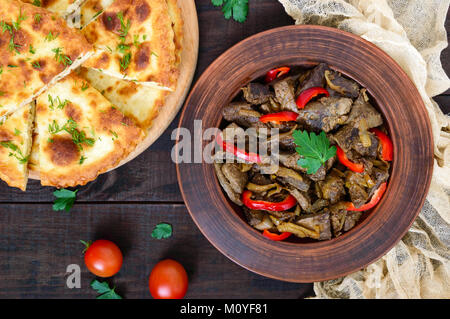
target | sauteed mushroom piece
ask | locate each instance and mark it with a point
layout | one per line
(326, 113)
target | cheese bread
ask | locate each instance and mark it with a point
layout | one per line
(142, 103)
(134, 40)
(15, 145)
(81, 134)
(37, 48)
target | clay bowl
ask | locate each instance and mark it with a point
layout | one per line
(405, 117)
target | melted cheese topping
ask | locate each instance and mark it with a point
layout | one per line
(81, 134)
(15, 145)
(36, 49)
(134, 40)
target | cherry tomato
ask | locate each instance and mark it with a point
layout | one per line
(103, 258)
(168, 280)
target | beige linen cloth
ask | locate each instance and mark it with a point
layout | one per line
(413, 33)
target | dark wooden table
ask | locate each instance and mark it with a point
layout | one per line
(37, 244)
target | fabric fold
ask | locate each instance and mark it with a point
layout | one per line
(413, 33)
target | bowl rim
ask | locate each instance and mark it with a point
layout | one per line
(224, 201)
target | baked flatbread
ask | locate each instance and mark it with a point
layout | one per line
(142, 103)
(134, 40)
(37, 48)
(81, 134)
(15, 145)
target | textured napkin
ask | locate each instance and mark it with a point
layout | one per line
(413, 33)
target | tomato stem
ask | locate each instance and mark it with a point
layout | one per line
(86, 245)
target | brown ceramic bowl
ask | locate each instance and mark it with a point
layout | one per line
(405, 117)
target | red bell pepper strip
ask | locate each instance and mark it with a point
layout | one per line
(308, 94)
(286, 204)
(284, 116)
(242, 154)
(276, 237)
(355, 167)
(276, 73)
(373, 201)
(387, 149)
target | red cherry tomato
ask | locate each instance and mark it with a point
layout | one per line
(168, 280)
(103, 258)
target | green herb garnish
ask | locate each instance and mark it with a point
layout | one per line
(37, 3)
(50, 36)
(238, 9)
(123, 48)
(6, 27)
(61, 57)
(103, 289)
(78, 137)
(57, 102)
(64, 199)
(162, 230)
(314, 149)
(36, 65)
(136, 41)
(114, 134)
(97, 14)
(15, 151)
(37, 18)
(125, 61)
(82, 159)
(124, 28)
(16, 24)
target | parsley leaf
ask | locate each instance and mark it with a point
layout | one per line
(238, 9)
(103, 289)
(314, 149)
(162, 230)
(64, 199)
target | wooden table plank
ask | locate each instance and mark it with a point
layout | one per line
(445, 57)
(444, 103)
(37, 244)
